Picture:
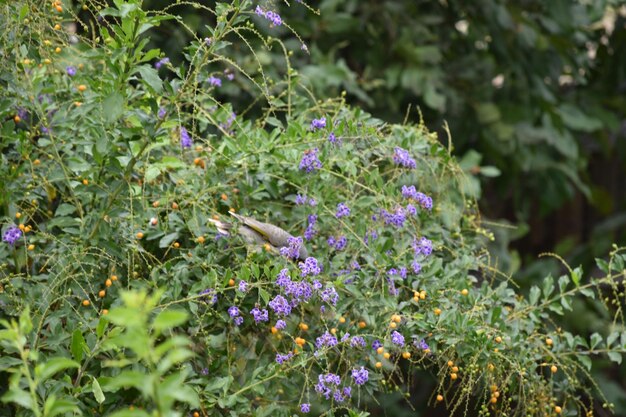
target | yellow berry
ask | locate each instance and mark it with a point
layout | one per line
(342, 320)
(549, 341)
(113, 277)
(86, 303)
(105, 311)
(82, 87)
(386, 355)
(464, 291)
(406, 355)
(176, 245)
(31, 247)
(439, 397)
(200, 239)
(304, 326)
(85, 181)
(57, 27)
(455, 369)
(393, 325)
(380, 350)
(437, 311)
(498, 339)
(362, 324)
(557, 409)
(379, 365)
(57, 50)
(450, 363)
(108, 283)
(553, 368)
(274, 330)
(102, 293)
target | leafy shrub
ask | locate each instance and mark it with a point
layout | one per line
(121, 297)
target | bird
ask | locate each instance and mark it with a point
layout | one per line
(258, 233)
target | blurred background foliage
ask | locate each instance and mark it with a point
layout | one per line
(533, 93)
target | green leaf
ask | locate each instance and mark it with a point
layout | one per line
(54, 407)
(17, 396)
(113, 107)
(168, 319)
(97, 391)
(54, 365)
(78, 345)
(130, 413)
(150, 76)
(595, 340)
(615, 357)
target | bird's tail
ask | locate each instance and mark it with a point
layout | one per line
(222, 227)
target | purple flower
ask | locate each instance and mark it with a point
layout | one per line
(312, 202)
(274, 18)
(162, 112)
(161, 62)
(305, 407)
(280, 324)
(214, 81)
(347, 391)
(325, 340)
(355, 265)
(333, 139)
(360, 376)
(208, 41)
(238, 320)
(310, 267)
(259, 315)
(342, 210)
(310, 161)
(357, 341)
(210, 294)
(410, 208)
(294, 249)
(337, 244)
(233, 311)
(330, 296)
(71, 70)
(300, 199)
(12, 235)
(318, 123)
(310, 231)
(259, 11)
(280, 306)
(423, 345)
(397, 338)
(402, 157)
(417, 267)
(283, 358)
(395, 219)
(204, 371)
(283, 279)
(185, 139)
(376, 344)
(402, 272)
(243, 286)
(423, 246)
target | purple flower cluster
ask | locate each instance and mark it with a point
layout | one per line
(334, 140)
(310, 160)
(310, 267)
(310, 231)
(395, 219)
(162, 112)
(12, 235)
(214, 81)
(325, 340)
(161, 62)
(229, 122)
(283, 279)
(338, 244)
(402, 157)
(422, 345)
(318, 123)
(416, 266)
(360, 376)
(208, 41)
(302, 200)
(329, 384)
(376, 344)
(210, 295)
(329, 295)
(273, 17)
(293, 250)
(305, 407)
(243, 286)
(422, 199)
(342, 210)
(423, 246)
(357, 341)
(370, 236)
(280, 358)
(259, 315)
(280, 305)
(70, 70)
(185, 139)
(397, 338)
(233, 311)
(280, 324)
(298, 291)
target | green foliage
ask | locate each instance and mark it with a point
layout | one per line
(120, 282)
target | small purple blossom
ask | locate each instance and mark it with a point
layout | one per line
(334, 140)
(325, 340)
(70, 70)
(376, 344)
(243, 286)
(357, 341)
(280, 306)
(280, 358)
(310, 231)
(300, 199)
(210, 295)
(310, 266)
(238, 320)
(417, 267)
(360, 376)
(397, 338)
(329, 295)
(259, 315)
(185, 139)
(395, 219)
(204, 371)
(342, 210)
(423, 345)
(305, 407)
(318, 123)
(283, 279)
(233, 311)
(273, 17)
(310, 161)
(294, 249)
(402, 157)
(161, 62)
(208, 41)
(12, 235)
(423, 246)
(280, 324)
(162, 112)
(215, 81)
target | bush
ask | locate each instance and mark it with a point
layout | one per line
(122, 298)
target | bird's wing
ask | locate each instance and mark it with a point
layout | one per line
(222, 227)
(273, 234)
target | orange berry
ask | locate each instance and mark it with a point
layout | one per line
(224, 197)
(17, 118)
(557, 409)
(113, 277)
(105, 311)
(274, 330)
(397, 318)
(200, 239)
(86, 303)
(379, 365)
(549, 341)
(464, 291)
(31, 247)
(196, 414)
(498, 339)
(393, 325)
(437, 311)
(493, 388)
(231, 282)
(59, 9)
(267, 247)
(21, 227)
(554, 369)
(155, 203)
(108, 283)
(57, 50)
(196, 161)
(450, 363)
(491, 367)
(496, 394)
(304, 326)
(102, 293)
(362, 324)
(216, 217)
(494, 400)
(78, 103)
(422, 295)
(27, 229)
(453, 376)
(36, 162)
(174, 206)
(439, 397)
(386, 355)
(333, 330)
(82, 87)
(18, 215)
(406, 355)
(342, 320)
(57, 27)
(176, 245)
(139, 235)
(232, 209)
(380, 350)
(85, 181)
(455, 369)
